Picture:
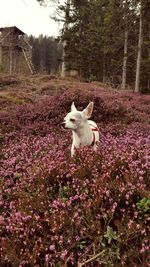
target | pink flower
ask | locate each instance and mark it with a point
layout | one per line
(52, 247)
(63, 254)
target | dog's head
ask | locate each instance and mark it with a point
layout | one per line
(76, 119)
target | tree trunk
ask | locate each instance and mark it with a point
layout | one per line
(63, 69)
(104, 66)
(1, 52)
(148, 80)
(124, 69)
(137, 82)
(10, 59)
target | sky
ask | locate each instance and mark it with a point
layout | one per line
(29, 17)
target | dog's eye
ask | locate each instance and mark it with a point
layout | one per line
(72, 120)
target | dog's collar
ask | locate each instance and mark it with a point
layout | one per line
(94, 129)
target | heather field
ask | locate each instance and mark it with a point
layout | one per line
(92, 210)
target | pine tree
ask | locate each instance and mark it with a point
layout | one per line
(145, 60)
(65, 29)
(113, 41)
(140, 43)
(45, 54)
(101, 41)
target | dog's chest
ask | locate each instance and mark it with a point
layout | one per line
(83, 139)
(86, 140)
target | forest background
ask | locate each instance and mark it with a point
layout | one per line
(104, 40)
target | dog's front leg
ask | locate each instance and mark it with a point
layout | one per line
(72, 150)
(95, 147)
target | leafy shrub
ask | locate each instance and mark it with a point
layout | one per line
(144, 205)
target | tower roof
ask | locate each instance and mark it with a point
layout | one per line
(12, 28)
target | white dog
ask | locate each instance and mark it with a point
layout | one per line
(85, 132)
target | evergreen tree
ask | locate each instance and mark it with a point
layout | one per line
(101, 40)
(35, 53)
(145, 60)
(45, 54)
(140, 44)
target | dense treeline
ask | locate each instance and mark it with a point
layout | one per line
(46, 54)
(108, 40)
(103, 40)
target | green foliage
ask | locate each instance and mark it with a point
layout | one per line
(95, 40)
(110, 234)
(144, 205)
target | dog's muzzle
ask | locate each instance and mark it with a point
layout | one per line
(63, 125)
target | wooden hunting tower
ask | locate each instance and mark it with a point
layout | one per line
(14, 48)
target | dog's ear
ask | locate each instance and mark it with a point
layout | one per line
(73, 108)
(88, 110)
